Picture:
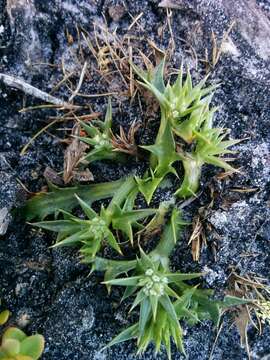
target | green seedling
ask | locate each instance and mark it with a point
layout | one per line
(209, 145)
(99, 137)
(185, 113)
(180, 103)
(164, 298)
(16, 345)
(96, 229)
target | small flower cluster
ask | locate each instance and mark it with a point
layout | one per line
(153, 283)
(102, 141)
(98, 228)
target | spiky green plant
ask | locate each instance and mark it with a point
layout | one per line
(99, 137)
(185, 112)
(164, 298)
(16, 345)
(209, 145)
(96, 229)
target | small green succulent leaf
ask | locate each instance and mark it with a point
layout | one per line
(10, 347)
(153, 81)
(154, 306)
(4, 315)
(124, 220)
(99, 137)
(32, 346)
(168, 239)
(158, 81)
(139, 298)
(192, 173)
(15, 334)
(71, 240)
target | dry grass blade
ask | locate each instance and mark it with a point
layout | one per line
(72, 156)
(25, 148)
(126, 143)
(242, 321)
(216, 50)
(197, 238)
(253, 288)
(135, 20)
(52, 176)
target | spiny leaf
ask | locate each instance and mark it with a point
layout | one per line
(130, 281)
(44, 204)
(125, 335)
(176, 277)
(145, 309)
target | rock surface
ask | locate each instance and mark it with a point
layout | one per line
(48, 290)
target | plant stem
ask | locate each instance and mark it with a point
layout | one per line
(168, 240)
(190, 184)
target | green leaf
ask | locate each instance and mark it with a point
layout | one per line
(176, 277)
(89, 212)
(68, 226)
(168, 307)
(230, 301)
(139, 298)
(148, 187)
(44, 204)
(11, 347)
(112, 242)
(145, 309)
(72, 240)
(154, 306)
(33, 346)
(158, 81)
(130, 281)
(14, 333)
(125, 335)
(192, 167)
(4, 315)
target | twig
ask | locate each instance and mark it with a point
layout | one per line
(30, 90)
(79, 83)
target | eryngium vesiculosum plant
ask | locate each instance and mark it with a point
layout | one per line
(163, 297)
(96, 230)
(160, 297)
(99, 138)
(185, 115)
